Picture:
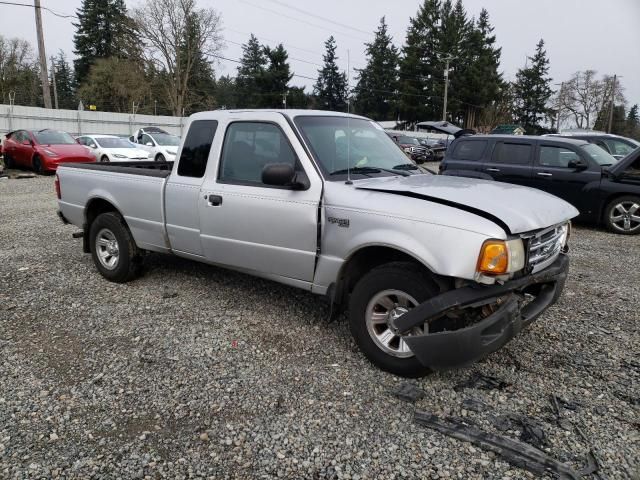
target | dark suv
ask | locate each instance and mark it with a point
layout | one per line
(602, 188)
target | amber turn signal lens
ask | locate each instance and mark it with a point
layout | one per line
(494, 258)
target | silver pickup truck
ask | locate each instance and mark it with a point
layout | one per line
(434, 271)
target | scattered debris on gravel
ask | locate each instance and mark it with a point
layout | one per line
(195, 371)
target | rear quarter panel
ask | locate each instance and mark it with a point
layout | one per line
(138, 198)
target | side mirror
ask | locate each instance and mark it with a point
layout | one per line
(284, 175)
(578, 164)
(149, 144)
(93, 145)
(27, 142)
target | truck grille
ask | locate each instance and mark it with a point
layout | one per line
(545, 246)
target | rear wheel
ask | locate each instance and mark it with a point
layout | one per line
(113, 249)
(385, 293)
(37, 165)
(622, 215)
(160, 158)
(104, 159)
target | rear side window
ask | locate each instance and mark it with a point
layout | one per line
(469, 149)
(196, 148)
(513, 153)
(557, 156)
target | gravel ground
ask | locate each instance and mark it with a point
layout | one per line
(194, 371)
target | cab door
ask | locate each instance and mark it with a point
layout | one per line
(510, 162)
(247, 224)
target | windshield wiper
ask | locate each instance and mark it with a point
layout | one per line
(365, 170)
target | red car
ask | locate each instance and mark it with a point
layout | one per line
(43, 150)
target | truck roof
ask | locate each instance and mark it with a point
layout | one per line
(291, 113)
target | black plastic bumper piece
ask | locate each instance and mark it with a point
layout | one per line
(449, 349)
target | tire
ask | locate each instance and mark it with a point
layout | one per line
(104, 159)
(37, 165)
(160, 158)
(113, 249)
(391, 281)
(622, 215)
(8, 161)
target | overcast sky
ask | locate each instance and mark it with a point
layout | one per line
(579, 34)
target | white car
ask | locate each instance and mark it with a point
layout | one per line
(109, 148)
(160, 145)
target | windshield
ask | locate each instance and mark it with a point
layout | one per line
(599, 155)
(166, 140)
(106, 142)
(53, 137)
(339, 143)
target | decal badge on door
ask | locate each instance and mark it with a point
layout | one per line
(341, 222)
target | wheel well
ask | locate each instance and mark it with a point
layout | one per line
(363, 261)
(95, 207)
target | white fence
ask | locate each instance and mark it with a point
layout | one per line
(76, 122)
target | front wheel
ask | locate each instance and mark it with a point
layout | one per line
(622, 215)
(160, 158)
(113, 249)
(8, 161)
(104, 159)
(37, 165)
(387, 292)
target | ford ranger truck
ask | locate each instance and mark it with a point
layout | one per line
(434, 271)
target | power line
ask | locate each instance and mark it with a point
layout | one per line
(61, 15)
(275, 12)
(325, 19)
(290, 58)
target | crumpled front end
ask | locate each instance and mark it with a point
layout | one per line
(513, 305)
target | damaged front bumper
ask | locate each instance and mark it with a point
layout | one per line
(455, 348)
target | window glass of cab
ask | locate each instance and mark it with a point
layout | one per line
(616, 147)
(249, 147)
(196, 148)
(556, 156)
(469, 149)
(513, 153)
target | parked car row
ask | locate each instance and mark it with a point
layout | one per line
(43, 150)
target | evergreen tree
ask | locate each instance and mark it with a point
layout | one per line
(420, 70)
(201, 81)
(251, 74)
(633, 119)
(65, 85)
(532, 91)
(377, 82)
(103, 30)
(226, 93)
(331, 87)
(277, 77)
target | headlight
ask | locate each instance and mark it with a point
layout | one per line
(566, 234)
(498, 257)
(119, 155)
(50, 153)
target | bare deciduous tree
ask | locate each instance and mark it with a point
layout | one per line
(584, 96)
(176, 35)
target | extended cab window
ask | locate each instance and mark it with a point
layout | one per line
(196, 148)
(249, 147)
(469, 149)
(557, 156)
(512, 153)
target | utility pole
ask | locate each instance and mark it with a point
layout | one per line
(44, 77)
(560, 92)
(446, 87)
(613, 96)
(53, 81)
(155, 107)
(284, 99)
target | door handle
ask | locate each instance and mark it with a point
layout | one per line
(493, 169)
(545, 174)
(214, 200)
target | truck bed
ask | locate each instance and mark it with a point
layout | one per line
(146, 168)
(135, 189)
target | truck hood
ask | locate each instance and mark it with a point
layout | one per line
(515, 208)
